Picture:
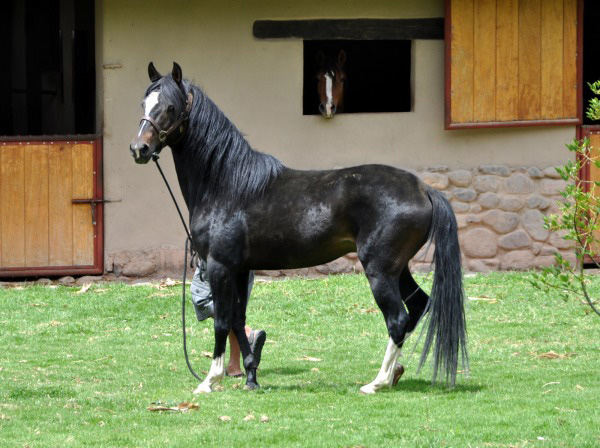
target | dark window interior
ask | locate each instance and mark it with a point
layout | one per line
(47, 85)
(377, 74)
(591, 61)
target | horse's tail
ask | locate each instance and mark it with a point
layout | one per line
(446, 330)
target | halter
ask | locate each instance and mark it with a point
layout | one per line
(180, 123)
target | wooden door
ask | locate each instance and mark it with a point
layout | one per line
(590, 172)
(50, 217)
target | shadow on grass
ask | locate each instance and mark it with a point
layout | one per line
(408, 385)
(422, 385)
(282, 371)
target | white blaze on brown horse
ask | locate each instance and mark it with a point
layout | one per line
(331, 77)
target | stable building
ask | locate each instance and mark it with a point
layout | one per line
(478, 97)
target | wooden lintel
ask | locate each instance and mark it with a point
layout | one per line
(354, 29)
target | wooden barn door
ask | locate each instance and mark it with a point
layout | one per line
(50, 208)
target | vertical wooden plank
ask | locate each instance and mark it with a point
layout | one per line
(83, 188)
(530, 41)
(36, 205)
(461, 63)
(570, 59)
(507, 60)
(60, 189)
(595, 174)
(13, 206)
(552, 58)
(484, 67)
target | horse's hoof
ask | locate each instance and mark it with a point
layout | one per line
(367, 390)
(202, 389)
(398, 372)
(251, 386)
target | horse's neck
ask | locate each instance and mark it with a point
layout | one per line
(182, 168)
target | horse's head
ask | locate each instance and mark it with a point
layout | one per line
(330, 83)
(166, 111)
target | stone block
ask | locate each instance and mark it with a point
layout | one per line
(489, 200)
(559, 242)
(519, 183)
(438, 181)
(533, 222)
(539, 202)
(480, 243)
(515, 240)
(460, 207)
(486, 183)
(511, 203)
(501, 222)
(517, 260)
(535, 172)
(551, 173)
(484, 265)
(496, 170)
(475, 208)
(67, 280)
(551, 187)
(465, 194)
(460, 178)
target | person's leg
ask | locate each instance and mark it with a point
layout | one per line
(234, 367)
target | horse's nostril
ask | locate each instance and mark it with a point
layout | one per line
(322, 108)
(144, 150)
(333, 109)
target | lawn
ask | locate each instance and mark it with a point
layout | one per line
(81, 368)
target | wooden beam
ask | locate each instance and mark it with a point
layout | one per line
(357, 29)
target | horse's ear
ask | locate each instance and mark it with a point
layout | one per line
(320, 57)
(342, 58)
(176, 73)
(153, 73)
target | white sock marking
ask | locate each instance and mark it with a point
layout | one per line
(385, 377)
(215, 375)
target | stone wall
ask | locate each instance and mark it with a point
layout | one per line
(500, 213)
(499, 210)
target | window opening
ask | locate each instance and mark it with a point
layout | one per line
(378, 74)
(48, 86)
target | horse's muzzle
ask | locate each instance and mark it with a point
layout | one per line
(141, 152)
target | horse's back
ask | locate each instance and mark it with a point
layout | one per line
(311, 217)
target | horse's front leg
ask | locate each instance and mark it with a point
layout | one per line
(239, 329)
(222, 291)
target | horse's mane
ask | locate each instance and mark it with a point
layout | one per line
(224, 164)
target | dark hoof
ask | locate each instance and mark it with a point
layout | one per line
(251, 386)
(398, 372)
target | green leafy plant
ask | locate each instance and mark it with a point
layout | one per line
(579, 221)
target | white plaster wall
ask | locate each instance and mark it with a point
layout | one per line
(258, 84)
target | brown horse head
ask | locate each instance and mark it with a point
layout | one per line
(330, 83)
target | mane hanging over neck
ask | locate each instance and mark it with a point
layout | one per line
(223, 166)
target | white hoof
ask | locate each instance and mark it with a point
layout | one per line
(203, 389)
(368, 389)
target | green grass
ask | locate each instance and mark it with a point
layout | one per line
(81, 370)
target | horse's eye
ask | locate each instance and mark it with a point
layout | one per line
(171, 108)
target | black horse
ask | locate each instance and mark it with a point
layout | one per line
(247, 211)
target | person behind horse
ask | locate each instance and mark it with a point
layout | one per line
(204, 306)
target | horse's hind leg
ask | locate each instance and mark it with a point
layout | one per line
(386, 291)
(414, 298)
(222, 290)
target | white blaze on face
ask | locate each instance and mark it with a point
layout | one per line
(149, 104)
(329, 93)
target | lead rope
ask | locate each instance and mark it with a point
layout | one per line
(188, 240)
